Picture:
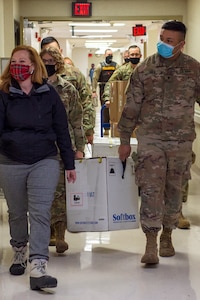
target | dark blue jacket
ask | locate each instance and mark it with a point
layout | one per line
(32, 126)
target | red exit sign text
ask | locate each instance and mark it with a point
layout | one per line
(138, 30)
(81, 9)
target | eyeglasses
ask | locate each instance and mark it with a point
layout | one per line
(50, 61)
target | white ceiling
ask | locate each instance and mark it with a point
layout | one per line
(120, 38)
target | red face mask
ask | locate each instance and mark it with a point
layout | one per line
(20, 72)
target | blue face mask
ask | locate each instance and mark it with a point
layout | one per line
(165, 50)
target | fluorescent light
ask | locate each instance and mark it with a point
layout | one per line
(98, 45)
(93, 30)
(91, 36)
(101, 41)
(93, 24)
(102, 50)
(118, 24)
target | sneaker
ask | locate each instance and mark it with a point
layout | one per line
(19, 261)
(38, 275)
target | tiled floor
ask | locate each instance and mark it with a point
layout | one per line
(106, 265)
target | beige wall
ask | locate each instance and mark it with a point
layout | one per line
(193, 25)
(106, 10)
(103, 8)
(193, 49)
(2, 27)
(9, 11)
(187, 10)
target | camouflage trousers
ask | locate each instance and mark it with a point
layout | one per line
(185, 186)
(185, 189)
(161, 168)
(58, 208)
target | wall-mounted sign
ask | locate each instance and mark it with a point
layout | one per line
(81, 9)
(138, 30)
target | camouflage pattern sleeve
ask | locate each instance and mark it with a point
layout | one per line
(74, 75)
(130, 114)
(89, 114)
(76, 122)
(122, 73)
(160, 100)
(83, 90)
(114, 77)
(74, 110)
(95, 78)
(106, 94)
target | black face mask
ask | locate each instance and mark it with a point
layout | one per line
(126, 60)
(109, 59)
(51, 69)
(134, 60)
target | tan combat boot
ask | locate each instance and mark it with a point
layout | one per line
(106, 132)
(61, 245)
(151, 252)
(166, 247)
(52, 237)
(183, 223)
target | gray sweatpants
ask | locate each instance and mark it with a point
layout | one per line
(30, 189)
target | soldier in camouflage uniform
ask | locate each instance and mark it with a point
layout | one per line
(124, 72)
(160, 101)
(55, 65)
(73, 75)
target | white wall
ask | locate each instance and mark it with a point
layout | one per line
(193, 49)
(193, 25)
(80, 58)
(153, 36)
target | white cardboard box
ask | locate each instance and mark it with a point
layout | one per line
(100, 199)
(105, 146)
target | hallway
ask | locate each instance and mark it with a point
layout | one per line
(106, 265)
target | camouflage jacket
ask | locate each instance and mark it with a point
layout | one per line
(73, 75)
(161, 98)
(89, 113)
(122, 73)
(70, 98)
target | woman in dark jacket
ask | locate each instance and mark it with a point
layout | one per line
(33, 126)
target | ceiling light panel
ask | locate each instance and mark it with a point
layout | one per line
(101, 41)
(94, 30)
(92, 36)
(89, 24)
(118, 24)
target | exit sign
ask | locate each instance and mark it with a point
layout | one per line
(81, 9)
(138, 30)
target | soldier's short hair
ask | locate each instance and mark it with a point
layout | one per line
(47, 40)
(133, 47)
(175, 26)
